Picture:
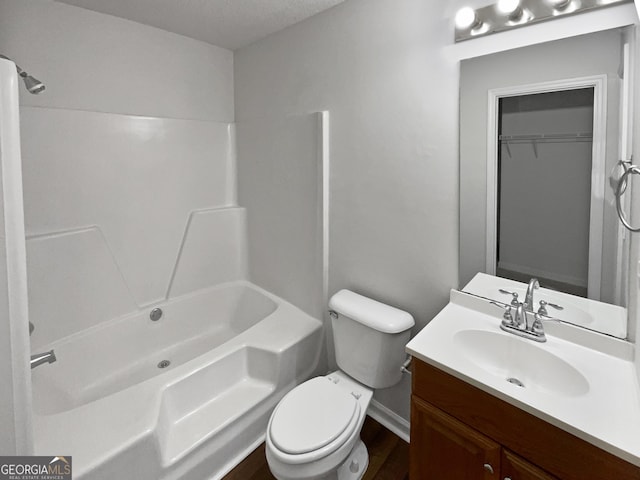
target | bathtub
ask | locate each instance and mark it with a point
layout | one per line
(185, 397)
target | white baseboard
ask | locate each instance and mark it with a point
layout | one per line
(389, 419)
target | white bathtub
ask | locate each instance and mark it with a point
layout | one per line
(234, 351)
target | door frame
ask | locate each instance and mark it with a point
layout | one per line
(598, 162)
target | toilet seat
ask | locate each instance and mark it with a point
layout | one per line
(312, 421)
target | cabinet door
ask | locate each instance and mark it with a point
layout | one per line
(516, 468)
(442, 448)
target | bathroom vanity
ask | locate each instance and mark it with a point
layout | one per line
(459, 431)
(487, 404)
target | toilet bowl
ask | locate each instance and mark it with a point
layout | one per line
(314, 431)
(316, 428)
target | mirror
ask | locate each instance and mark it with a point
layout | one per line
(542, 129)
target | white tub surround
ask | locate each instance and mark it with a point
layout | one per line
(234, 351)
(589, 391)
(140, 181)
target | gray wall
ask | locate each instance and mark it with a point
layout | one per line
(279, 183)
(378, 67)
(593, 54)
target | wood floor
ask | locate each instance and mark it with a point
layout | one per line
(388, 457)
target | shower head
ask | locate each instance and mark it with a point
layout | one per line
(32, 84)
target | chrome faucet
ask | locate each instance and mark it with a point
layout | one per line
(528, 299)
(40, 358)
(525, 324)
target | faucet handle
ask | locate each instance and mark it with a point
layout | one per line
(514, 296)
(537, 330)
(543, 307)
(507, 318)
(556, 306)
(536, 327)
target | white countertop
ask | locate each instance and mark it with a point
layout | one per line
(606, 414)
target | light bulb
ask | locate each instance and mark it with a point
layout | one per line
(508, 7)
(466, 18)
(511, 8)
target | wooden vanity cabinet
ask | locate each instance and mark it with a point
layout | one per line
(447, 448)
(512, 467)
(459, 432)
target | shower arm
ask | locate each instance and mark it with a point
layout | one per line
(21, 72)
(33, 85)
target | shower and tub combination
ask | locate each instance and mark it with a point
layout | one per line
(185, 396)
(180, 387)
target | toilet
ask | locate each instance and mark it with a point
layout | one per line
(314, 431)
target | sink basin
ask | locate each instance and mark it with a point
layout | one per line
(520, 362)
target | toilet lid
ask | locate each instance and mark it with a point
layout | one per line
(311, 416)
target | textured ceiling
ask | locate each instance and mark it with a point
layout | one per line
(226, 23)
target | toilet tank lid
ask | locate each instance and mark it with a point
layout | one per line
(369, 312)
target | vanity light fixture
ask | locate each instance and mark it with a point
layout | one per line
(508, 14)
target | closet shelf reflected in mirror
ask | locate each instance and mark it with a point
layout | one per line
(506, 140)
(547, 137)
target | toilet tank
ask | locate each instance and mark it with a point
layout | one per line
(369, 338)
